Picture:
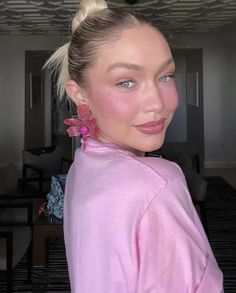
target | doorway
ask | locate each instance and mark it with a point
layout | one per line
(44, 113)
(188, 122)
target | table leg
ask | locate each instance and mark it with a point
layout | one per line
(40, 233)
(38, 246)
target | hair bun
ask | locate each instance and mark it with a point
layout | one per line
(86, 7)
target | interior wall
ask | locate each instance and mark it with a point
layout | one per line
(219, 94)
(12, 91)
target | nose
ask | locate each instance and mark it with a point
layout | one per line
(153, 99)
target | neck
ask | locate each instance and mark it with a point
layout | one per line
(104, 139)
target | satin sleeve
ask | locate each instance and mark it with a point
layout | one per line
(174, 253)
(100, 248)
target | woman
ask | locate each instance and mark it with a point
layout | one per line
(129, 222)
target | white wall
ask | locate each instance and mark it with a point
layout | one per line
(12, 85)
(219, 71)
(219, 90)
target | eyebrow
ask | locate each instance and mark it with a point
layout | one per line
(136, 67)
(125, 65)
(166, 63)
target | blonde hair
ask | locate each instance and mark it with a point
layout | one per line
(86, 8)
(59, 60)
(92, 27)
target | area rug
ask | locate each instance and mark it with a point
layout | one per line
(221, 221)
(51, 278)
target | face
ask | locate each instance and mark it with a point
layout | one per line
(131, 90)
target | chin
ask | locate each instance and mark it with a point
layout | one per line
(150, 146)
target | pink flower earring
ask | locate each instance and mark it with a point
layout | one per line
(84, 124)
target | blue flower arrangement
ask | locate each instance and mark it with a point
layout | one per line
(55, 199)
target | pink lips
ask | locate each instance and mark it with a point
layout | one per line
(152, 127)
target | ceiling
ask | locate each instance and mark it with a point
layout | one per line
(52, 17)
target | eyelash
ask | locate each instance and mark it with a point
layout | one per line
(121, 83)
(171, 76)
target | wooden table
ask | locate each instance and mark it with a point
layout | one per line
(43, 229)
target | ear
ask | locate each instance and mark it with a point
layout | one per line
(75, 92)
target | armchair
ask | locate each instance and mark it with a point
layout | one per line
(187, 157)
(189, 151)
(40, 164)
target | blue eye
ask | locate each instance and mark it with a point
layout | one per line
(126, 84)
(167, 78)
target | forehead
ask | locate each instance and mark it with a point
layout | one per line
(142, 45)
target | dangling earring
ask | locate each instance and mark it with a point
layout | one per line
(84, 124)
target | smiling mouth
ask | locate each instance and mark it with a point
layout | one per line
(152, 127)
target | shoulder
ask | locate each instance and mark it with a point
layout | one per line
(151, 168)
(164, 169)
(144, 176)
(122, 172)
(113, 161)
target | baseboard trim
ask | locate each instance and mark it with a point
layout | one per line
(219, 164)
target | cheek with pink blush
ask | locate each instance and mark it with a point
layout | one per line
(170, 97)
(114, 108)
(114, 105)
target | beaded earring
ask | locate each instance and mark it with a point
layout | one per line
(84, 124)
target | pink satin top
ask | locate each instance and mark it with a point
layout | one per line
(130, 226)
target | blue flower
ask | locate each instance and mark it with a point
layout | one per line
(56, 195)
